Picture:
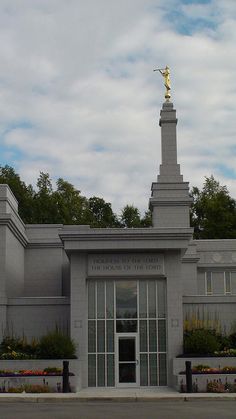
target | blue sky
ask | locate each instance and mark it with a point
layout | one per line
(79, 99)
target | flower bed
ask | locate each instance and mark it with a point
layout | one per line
(28, 383)
(28, 388)
(210, 383)
(22, 375)
(211, 375)
(47, 372)
(205, 369)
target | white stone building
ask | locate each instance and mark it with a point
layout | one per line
(122, 293)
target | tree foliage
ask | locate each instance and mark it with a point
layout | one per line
(213, 212)
(130, 217)
(70, 204)
(24, 194)
(101, 214)
(66, 205)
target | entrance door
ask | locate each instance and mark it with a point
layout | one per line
(127, 363)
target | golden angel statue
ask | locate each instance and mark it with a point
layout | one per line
(165, 72)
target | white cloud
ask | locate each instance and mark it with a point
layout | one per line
(80, 75)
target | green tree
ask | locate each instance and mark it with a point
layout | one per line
(71, 206)
(24, 194)
(146, 221)
(100, 213)
(45, 207)
(130, 217)
(213, 212)
(66, 205)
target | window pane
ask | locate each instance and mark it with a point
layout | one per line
(201, 283)
(208, 283)
(143, 335)
(91, 300)
(92, 336)
(162, 370)
(100, 300)
(143, 299)
(126, 299)
(227, 283)
(143, 369)
(110, 336)
(233, 282)
(126, 326)
(101, 336)
(152, 299)
(218, 282)
(127, 349)
(161, 295)
(110, 299)
(153, 369)
(110, 371)
(152, 336)
(127, 373)
(92, 370)
(101, 370)
(161, 335)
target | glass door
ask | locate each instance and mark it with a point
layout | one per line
(127, 363)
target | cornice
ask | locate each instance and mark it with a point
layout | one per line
(159, 202)
(8, 221)
(191, 259)
(181, 185)
(38, 301)
(44, 245)
(167, 121)
(209, 299)
(126, 234)
(126, 240)
(217, 265)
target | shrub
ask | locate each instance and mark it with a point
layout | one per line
(231, 388)
(226, 352)
(14, 355)
(53, 345)
(15, 390)
(215, 387)
(201, 367)
(18, 348)
(225, 342)
(201, 342)
(37, 388)
(232, 339)
(30, 388)
(53, 370)
(56, 345)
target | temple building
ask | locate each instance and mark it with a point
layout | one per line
(123, 294)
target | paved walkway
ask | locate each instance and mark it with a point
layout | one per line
(119, 395)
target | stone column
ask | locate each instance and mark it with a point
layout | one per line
(79, 310)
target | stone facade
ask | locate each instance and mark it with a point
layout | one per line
(46, 270)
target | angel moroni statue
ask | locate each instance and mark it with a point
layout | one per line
(165, 72)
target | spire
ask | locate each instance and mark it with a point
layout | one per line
(170, 199)
(169, 169)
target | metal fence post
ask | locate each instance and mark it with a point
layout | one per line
(65, 377)
(189, 381)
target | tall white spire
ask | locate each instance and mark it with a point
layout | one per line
(170, 199)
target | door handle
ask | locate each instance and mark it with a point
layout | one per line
(137, 362)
